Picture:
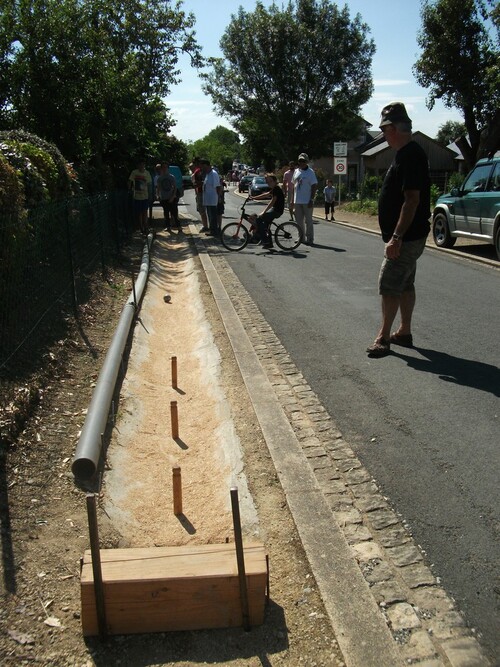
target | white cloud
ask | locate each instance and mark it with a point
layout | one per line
(390, 82)
(195, 119)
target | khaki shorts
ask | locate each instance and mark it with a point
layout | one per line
(398, 275)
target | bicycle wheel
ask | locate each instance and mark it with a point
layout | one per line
(234, 236)
(288, 236)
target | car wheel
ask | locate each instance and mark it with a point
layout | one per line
(441, 232)
(497, 240)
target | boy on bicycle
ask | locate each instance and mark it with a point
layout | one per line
(272, 211)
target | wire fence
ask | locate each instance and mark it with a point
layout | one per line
(47, 260)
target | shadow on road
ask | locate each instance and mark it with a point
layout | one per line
(466, 372)
(327, 247)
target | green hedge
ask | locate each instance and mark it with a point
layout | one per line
(33, 172)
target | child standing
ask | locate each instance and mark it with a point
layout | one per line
(330, 192)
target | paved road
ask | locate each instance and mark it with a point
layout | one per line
(423, 421)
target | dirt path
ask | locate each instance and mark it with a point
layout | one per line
(138, 496)
(40, 612)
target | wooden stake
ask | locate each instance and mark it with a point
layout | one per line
(174, 372)
(177, 487)
(240, 559)
(174, 418)
(96, 566)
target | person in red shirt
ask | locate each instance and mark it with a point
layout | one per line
(198, 177)
(288, 186)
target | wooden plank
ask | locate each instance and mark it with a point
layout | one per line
(174, 588)
(158, 552)
(167, 606)
(133, 564)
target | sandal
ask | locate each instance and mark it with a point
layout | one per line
(380, 348)
(405, 340)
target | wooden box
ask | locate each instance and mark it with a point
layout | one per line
(174, 588)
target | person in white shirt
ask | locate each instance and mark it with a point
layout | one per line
(305, 185)
(211, 190)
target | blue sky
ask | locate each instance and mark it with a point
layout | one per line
(394, 25)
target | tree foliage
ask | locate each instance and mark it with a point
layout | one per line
(460, 63)
(292, 79)
(450, 131)
(91, 76)
(221, 146)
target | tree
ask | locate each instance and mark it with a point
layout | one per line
(91, 76)
(174, 151)
(293, 79)
(460, 63)
(221, 146)
(450, 131)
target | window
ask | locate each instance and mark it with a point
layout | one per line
(495, 178)
(476, 181)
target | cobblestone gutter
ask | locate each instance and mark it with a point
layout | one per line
(424, 621)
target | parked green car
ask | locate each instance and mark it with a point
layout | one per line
(471, 211)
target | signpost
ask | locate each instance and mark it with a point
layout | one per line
(340, 149)
(340, 160)
(340, 165)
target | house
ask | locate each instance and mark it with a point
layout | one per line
(370, 155)
(378, 155)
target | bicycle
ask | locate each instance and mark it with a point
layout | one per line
(235, 235)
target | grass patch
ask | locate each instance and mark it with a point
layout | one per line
(365, 206)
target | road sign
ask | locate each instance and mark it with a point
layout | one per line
(340, 148)
(340, 165)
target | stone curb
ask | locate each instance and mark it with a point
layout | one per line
(424, 624)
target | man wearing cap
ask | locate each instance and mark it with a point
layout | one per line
(305, 185)
(404, 212)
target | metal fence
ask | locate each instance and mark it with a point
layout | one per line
(46, 261)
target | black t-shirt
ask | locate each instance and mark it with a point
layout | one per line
(279, 204)
(408, 171)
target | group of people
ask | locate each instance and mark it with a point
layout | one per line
(146, 190)
(404, 212)
(299, 188)
(300, 185)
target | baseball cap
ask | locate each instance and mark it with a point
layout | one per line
(304, 156)
(394, 112)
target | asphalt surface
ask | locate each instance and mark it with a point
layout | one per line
(423, 421)
(454, 644)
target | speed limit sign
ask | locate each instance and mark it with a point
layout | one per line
(340, 165)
